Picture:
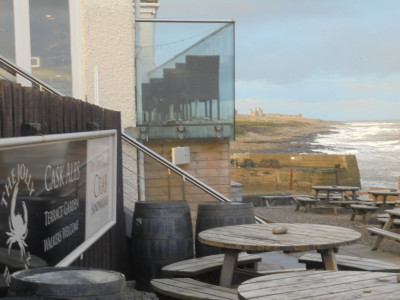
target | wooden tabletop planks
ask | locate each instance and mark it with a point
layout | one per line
(259, 237)
(322, 285)
(187, 288)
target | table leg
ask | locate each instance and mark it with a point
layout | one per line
(316, 195)
(354, 195)
(329, 259)
(228, 267)
(384, 200)
(375, 200)
(387, 226)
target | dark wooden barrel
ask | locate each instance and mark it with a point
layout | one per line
(218, 214)
(161, 234)
(68, 283)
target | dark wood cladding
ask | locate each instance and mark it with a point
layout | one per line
(20, 106)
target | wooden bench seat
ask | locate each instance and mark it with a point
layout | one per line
(188, 288)
(345, 262)
(383, 233)
(342, 203)
(275, 198)
(332, 196)
(196, 266)
(383, 219)
(363, 210)
(305, 202)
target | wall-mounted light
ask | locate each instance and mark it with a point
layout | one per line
(49, 17)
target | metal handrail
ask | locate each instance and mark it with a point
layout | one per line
(174, 168)
(179, 171)
(28, 76)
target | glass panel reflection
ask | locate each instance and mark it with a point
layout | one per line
(193, 87)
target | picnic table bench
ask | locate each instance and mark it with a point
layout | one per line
(383, 218)
(304, 201)
(189, 288)
(196, 266)
(346, 262)
(364, 210)
(394, 214)
(267, 198)
(341, 203)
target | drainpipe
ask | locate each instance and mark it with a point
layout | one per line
(141, 179)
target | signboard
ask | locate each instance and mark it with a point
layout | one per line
(57, 197)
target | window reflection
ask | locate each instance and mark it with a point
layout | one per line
(50, 43)
(7, 44)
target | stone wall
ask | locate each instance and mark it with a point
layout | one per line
(266, 173)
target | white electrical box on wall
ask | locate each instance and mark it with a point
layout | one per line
(180, 155)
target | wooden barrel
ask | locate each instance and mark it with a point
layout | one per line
(68, 283)
(161, 234)
(218, 214)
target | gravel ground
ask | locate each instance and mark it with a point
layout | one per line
(132, 293)
(287, 214)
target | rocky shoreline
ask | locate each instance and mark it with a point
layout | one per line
(278, 134)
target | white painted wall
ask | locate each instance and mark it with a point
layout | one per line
(108, 48)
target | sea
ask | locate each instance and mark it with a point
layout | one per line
(376, 145)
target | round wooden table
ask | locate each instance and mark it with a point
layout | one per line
(322, 285)
(259, 238)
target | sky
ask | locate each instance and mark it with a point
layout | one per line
(335, 60)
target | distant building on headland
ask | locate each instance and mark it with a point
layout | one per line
(258, 112)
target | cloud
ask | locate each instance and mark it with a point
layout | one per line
(376, 86)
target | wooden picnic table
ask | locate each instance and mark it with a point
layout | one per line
(394, 214)
(260, 238)
(335, 188)
(322, 285)
(384, 194)
(265, 199)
